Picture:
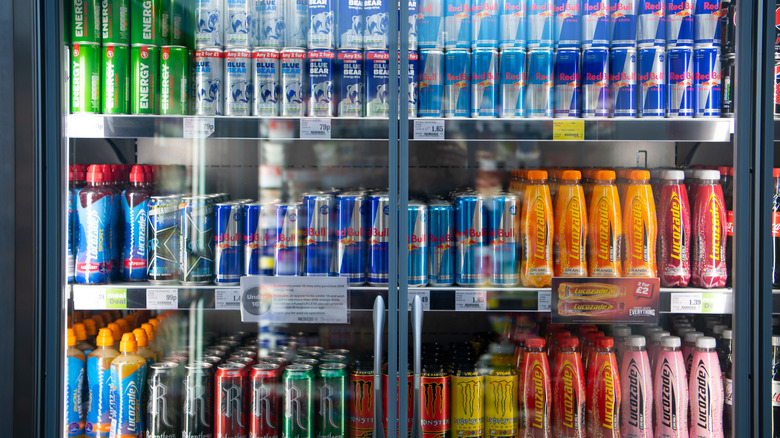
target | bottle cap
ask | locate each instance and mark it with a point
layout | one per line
(639, 175)
(592, 336)
(589, 173)
(561, 334)
(656, 337)
(91, 327)
(727, 334)
(80, 331)
(622, 173)
(571, 175)
(724, 170)
(116, 332)
(621, 331)
(71, 339)
(123, 324)
(105, 338)
(605, 175)
(137, 174)
(670, 342)
(128, 343)
(534, 342)
(636, 341)
(537, 174)
(140, 337)
(149, 330)
(569, 342)
(155, 323)
(690, 337)
(776, 341)
(706, 174)
(717, 329)
(705, 342)
(605, 342)
(671, 174)
(95, 174)
(775, 173)
(682, 331)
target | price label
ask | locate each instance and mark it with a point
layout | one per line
(716, 303)
(89, 298)
(686, 303)
(315, 129)
(569, 130)
(86, 126)
(116, 298)
(543, 300)
(198, 127)
(227, 299)
(425, 298)
(471, 301)
(162, 299)
(428, 130)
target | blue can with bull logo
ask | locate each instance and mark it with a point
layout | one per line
(378, 239)
(269, 24)
(349, 72)
(504, 239)
(622, 82)
(265, 81)
(377, 24)
(351, 236)
(290, 232)
(568, 28)
(208, 81)
(228, 243)
(567, 83)
(457, 24)
(320, 234)
(377, 71)
(484, 94)
(457, 83)
(651, 23)
(238, 82)
(321, 72)
(430, 83)
(259, 238)
(706, 23)
(595, 23)
(293, 79)
(706, 81)
(321, 24)
(595, 82)
(539, 96)
(540, 24)
(349, 26)
(679, 66)
(471, 240)
(441, 244)
(513, 28)
(484, 24)
(652, 82)
(512, 78)
(418, 243)
(679, 23)
(622, 23)
(430, 24)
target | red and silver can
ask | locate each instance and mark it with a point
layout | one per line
(435, 400)
(265, 415)
(230, 401)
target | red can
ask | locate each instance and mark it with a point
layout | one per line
(265, 416)
(409, 403)
(435, 401)
(247, 362)
(361, 403)
(230, 401)
(275, 360)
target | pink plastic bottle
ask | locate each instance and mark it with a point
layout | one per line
(636, 386)
(706, 391)
(674, 230)
(688, 348)
(620, 334)
(670, 391)
(654, 346)
(708, 267)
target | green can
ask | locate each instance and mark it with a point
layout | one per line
(85, 78)
(115, 24)
(145, 22)
(332, 381)
(298, 401)
(178, 22)
(174, 80)
(334, 358)
(85, 21)
(115, 87)
(145, 73)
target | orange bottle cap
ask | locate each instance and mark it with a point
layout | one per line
(155, 323)
(71, 339)
(639, 175)
(605, 174)
(128, 343)
(99, 322)
(537, 174)
(622, 173)
(570, 175)
(105, 338)
(116, 332)
(91, 327)
(80, 331)
(149, 330)
(140, 337)
(130, 320)
(589, 173)
(123, 325)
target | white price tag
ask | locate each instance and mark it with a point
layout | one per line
(295, 300)
(425, 298)
(543, 300)
(86, 126)
(470, 300)
(89, 298)
(162, 299)
(686, 303)
(229, 299)
(198, 127)
(428, 129)
(315, 129)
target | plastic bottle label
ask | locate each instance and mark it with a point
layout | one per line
(775, 393)
(75, 379)
(728, 390)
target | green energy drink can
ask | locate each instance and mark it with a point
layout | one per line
(174, 80)
(85, 21)
(332, 380)
(145, 22)
(85, 78)
(298, 383)
(179, 18)
(115, 24)
(144, 68)
(115, 86)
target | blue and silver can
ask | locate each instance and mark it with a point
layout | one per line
(539, 94)
(651, 23)
(296, 23)
(622, 83)
(652, 82)
(457, 24)
(288, 251)
(377, 24)
(269, 25)
(196, 240)
(441, 244)
(504, 240)
(457, 83)
(238, 23)
(513, 30)
(484, 95)
(568, 24)
(163, 260)
(293, 76)
(706, 23)
(484, 24)
(321, 24)
(471, 246)
(418, 244)
(265, 82)
(414, 60)
(706, 82)
(567, 83)
(259, 238)
(622, 23)
(349, 71)
(430, 24)
(321, 73)
(350, 25)
(239, 82)
(208, 23)
(679, 23)
(540, 24)
(377, 71)
(379, 239)
(208, 82)
(679, 64)
(351, 233)
(595, 23)
(411, 17)
(228, 243)
(320, 234)
(512, 79)
(430, 83)
(595, 82)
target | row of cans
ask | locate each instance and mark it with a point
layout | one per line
(596, 82)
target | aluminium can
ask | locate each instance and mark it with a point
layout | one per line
(231, 401)
(265, 415)
(622, 23)
(679, 65)
(679, 23)
(418, 243)
(707, 82)
(163, 416)
(457, 83)
(512, 83)
(320, 233)
(294, 75)
(471, 249)
(208, 23)
(376, 28)
(85, 21)
(298, 420)
(349, 72)
(321, 75)
(707, 23)
(411, 16)
(651, 23)
(622, 82)
(513, 29)
(539, 93)
(115, 21)
(290, 232)
(501, 404)
(728, 25)
(349, 25)
(265, 82)
(85, 78)
(652, 82)
(435, 388)
(777, 86)
(595, 82)
(441, 244)
(377, 77)
(197, 407)
(484, 95)
(430, 83)
(174, 80)
(321, 24)
(238, 82)
(115, 86)
(484, 24)
(145, 77)
(238, 23)
(196, 240)
(457, 25)
(431, 24)
(352, 212)
(414, 59)
(209, 71)
(727, 68)
(504, 240)
(379, 239)
(567, 83)
(541, 14)
(568, 24)
(145, 22)
(332, 401)
(595, 23)
(163, 264)
(228, 242)
(269, 24)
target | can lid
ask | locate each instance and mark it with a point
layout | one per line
(569, 342)
(605, 175)
(705, 342)
(164, 365)
(621, 331)
(266, 366)
(636, 341)
(332, 366)
(534, 342)
(128, 343)
(776, 341)
(298, 367)
(605, 342)
(691, 336)
(639, 175)
(537, 174)
(727, 334)
(670, 342)
(672, 174)
(570, 175)
(199, 366)
(706, 174)
(656, 337)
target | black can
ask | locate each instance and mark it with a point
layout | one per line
(162, 413)
(728, 26)
(197, 413)
(196, 240)
(728, 86)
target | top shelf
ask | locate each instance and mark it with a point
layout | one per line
(281, 128)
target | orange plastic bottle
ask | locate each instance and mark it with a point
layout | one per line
(571, 227)
(536, 227)
(640, 227)
(606, 227)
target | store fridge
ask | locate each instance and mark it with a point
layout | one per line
(539, 218)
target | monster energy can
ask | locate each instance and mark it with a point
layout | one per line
(162, 413)
(468, 392)
(145, 72)
(174, 80)
(501, 403)
(332, 381)
(85, 78)
(115, 22)
(115, 88)
(145, 22)
(197, 414)
(298, 404)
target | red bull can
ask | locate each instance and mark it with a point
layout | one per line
(320, 234)
(430, 83)
(430, 24)
(568, 27)
(679, 64)
(514, 24)
(622, 82)
(379, 239)
(595, 23)
(652, 82)
(259, 238)
(706, 82)
(377, 76)
(457, 83)
(228, 243)
(418, 244)
(351, 233)
(349, 71)
(484, 24)
(293, 78)
(265, 82)
(651, 23)
(622, 23)
(512, 81)
(457, 24)
(706, 23)
(504, 240)
(288, 254)
(679, 23)
(540, 24)
(441, 244)
(567, 83)
(321, 73)
(484, 63)
(472, 258)
(539, 95)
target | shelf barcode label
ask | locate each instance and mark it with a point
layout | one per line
(197, 127)
(686, 303)
(227, 299)
(85, 298)
(162, 299)
(315, 129)
(86, 126)
(543, 300)
(425, 298)
(428, 129)
(470, 300)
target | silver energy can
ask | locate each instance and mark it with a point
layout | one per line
(293, 82)
(265, 81)
(268, 24)
(238, 22)
(238, 82)
(208, 23)
(296, 23)
(208, 81)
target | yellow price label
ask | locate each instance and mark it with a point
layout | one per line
(571, 130)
